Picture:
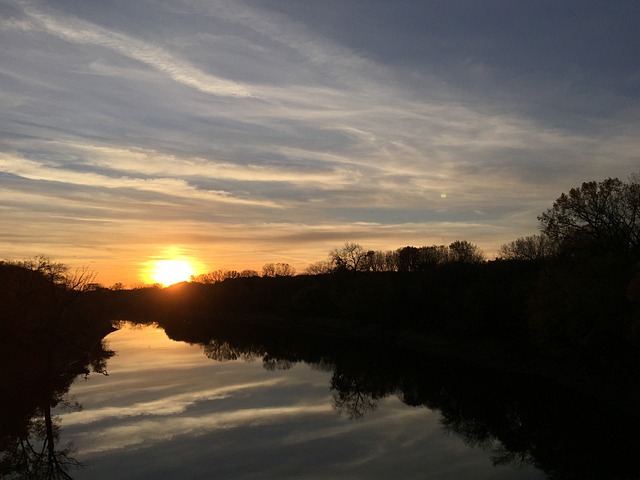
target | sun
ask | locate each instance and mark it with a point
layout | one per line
(168, 272)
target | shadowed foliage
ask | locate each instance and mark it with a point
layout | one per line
(48, 336)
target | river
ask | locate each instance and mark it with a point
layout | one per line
(166, 410)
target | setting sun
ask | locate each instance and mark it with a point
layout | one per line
(168, 272)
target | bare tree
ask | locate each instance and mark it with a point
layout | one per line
(350, 257)
(318, 268)
(59, 274)
(374, 261)
(220, 275)
(64, 284)
(278, 270)
(209, 278)
(598, 217)
(532, 247)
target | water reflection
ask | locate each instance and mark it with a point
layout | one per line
(520, 420)
(35, 381)
(153, 417)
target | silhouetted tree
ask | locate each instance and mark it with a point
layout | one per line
(532, 247)
(597, 218)
(465, 252)
(59, 274)
(221, 275)
(39, 299)
(319, 268)
(390, 261)
(278, 270)
(373, 261)
(350, 257)
(209, 278)
(249, 273)
(408, 259)
(434, 255)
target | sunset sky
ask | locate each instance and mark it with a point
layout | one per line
(235, 133)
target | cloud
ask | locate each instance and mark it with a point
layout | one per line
(148, 431)
(164, 406)
(173, 187)
(145, 162)
(81, 32)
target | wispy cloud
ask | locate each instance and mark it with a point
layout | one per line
(147, 431)
(173, 187)
(165, 406)
(81, 32)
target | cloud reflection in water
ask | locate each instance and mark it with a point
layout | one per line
(183, 415)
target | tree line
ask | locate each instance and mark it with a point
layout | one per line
(353, 257)
(597, 219)
(269, 269)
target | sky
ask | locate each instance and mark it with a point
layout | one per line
(236, 133)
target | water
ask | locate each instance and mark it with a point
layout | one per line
(166, 410)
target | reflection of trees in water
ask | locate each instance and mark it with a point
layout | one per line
(29, 432)
(350, 397)
(519, 420)
(525, 421)
(508, 445)
(223, 351)
(36, 454)
(273, 363)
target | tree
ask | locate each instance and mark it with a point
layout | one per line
(350, 257)
(374, 261)
(601, 218)
(465, 252)
(54, 284)
(209, 278)
(248, 273)
(59, 274)
(434, 255)
(221, 275)
(532, 247)
(319, 268)
(278, 270)
(408, 259)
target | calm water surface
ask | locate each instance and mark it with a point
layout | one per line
(167, 411)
